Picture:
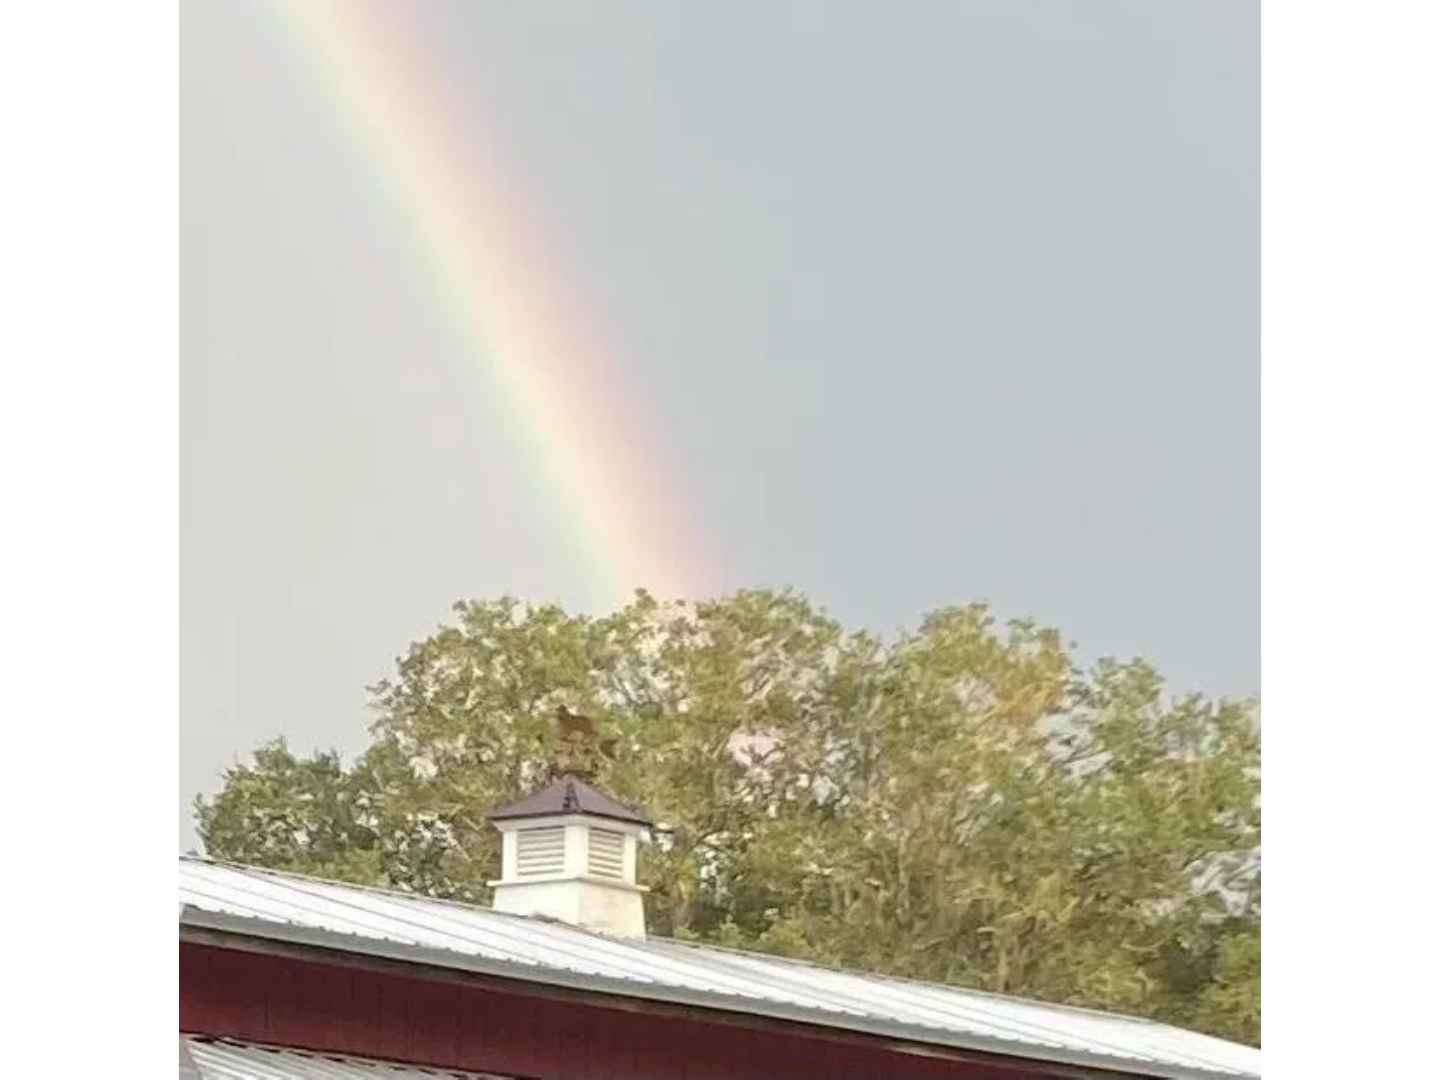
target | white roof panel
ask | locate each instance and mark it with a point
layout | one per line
(222, 1059)
(424, 930)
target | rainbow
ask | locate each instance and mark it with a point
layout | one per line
(483, 255)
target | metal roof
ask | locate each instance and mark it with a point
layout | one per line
(399, 926)
(222, 1059)
(568, 795)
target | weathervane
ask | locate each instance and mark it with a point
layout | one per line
(579, 748)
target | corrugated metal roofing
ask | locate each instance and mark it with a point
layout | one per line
(216, 1059)
(422, 930)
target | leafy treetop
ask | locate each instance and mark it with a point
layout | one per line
(964, 804)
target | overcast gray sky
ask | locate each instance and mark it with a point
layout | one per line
(928, 302)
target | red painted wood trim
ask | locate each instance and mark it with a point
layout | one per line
(309, 1004)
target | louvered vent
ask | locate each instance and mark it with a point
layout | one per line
(607, 853)
(540, 851)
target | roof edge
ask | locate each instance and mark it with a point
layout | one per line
(242, 926)
(503, 815)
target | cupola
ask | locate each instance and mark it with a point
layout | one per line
(568, 853)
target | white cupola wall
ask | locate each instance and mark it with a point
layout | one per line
(569, 853)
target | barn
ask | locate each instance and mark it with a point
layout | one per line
(289, 976)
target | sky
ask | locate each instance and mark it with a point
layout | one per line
(915, 304)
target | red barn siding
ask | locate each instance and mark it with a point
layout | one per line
(308, 1004)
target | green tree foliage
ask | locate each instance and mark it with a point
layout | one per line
(963, 804)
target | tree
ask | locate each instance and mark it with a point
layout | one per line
(964, 804)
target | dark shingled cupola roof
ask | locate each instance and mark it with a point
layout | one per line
(568, 796)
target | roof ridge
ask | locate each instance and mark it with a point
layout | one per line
(381, 890)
